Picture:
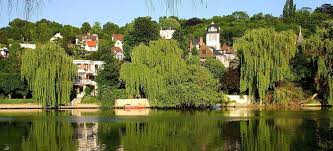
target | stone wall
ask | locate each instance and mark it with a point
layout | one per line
(131, 102)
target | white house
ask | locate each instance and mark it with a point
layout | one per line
(87, 72)
(89, 42)
(213, 36)
(118, 49)
(28, 46)
(57, 36)
(4, 52)
(212, 47)
(167, 33)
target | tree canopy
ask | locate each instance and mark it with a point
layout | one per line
(49, 73)
(320, 48)
(159, 73)
(265, 57)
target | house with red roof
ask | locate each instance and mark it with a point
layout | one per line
(118, 49)
(89, 42)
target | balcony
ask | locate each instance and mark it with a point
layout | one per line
(84, 82)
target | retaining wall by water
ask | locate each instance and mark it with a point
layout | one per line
(120, 103)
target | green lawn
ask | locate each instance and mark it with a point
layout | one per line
(16, 101)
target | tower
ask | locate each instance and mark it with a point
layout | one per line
(213, 36)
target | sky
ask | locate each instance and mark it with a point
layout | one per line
(75, 12)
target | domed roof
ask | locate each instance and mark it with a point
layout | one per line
(213, 28)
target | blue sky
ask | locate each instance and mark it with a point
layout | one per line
(75, 12)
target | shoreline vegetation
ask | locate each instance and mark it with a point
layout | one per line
(280, 62)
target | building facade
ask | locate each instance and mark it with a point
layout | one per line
(213, 36)
(118, 49)
(167, 33)
(88, 42)
(87, 72)
(4, 52)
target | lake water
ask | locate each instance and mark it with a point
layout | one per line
(160, 130)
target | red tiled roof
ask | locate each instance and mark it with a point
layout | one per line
(116, 49)
(91, 43)
(119, 37)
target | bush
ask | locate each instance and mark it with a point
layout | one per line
(288, 93)
(87, 91)
(107, 95)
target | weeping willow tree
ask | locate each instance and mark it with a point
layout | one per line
(159, 73)
(265, 56)
(49, 73)
(320, 47)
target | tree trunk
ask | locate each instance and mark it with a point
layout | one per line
(24, 96)
(9, 96)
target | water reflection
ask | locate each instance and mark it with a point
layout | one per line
(167, 130)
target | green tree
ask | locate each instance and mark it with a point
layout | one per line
(289, 9)
(215, 67)
(109, 76)
(49, 73)
(108, 29)
(97, 28)
(240, 15)
(144, 30)
(85, 28)
(159, 73)
(265, 56)
(320, 48)
(167, 23)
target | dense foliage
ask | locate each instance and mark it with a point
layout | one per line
(265, 56)
(49, 73)
(159, 73)
(311, 64)
(320, 48)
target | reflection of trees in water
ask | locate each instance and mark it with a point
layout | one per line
(260, 135)
(174, 131)
(49, 134)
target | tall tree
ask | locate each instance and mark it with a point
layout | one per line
(167, 23)
(265, 56)
(110, 28)
(289, 9)
(49, 73)
(85, 28)
(144, 30)
(159, 73)
(97, 28)
(320, 48)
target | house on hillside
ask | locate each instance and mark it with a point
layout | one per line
(167, 33)
(56, 37)
(28, 46)
(89, 42)
(212, 47)
(86, 75)
(4, 52)
(118, 49)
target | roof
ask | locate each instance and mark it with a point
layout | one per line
(213, 28)
(116, 49)
(205, 52)
(91, 43)
(216, 52)
(116, 37)
(227, 49)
